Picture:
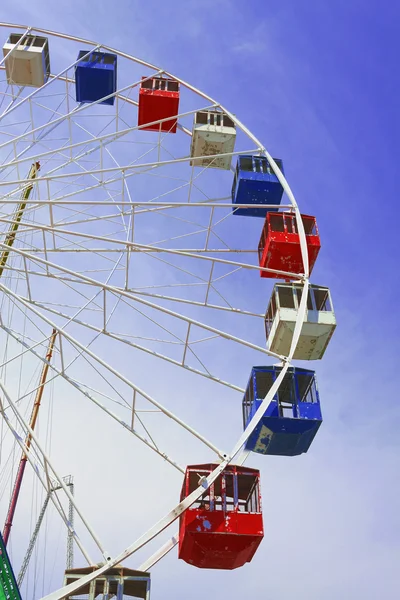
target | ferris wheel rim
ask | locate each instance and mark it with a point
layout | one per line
(302, 308)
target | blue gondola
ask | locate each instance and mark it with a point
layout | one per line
(96, 77)
(255, 183)
(293, 416)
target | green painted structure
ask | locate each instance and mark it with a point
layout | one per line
(8, 585)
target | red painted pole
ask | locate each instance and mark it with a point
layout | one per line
(28, 440)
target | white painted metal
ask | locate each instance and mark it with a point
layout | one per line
(161, 552)
(131, 296)
(148, 248)
(42, 480)
(47, 464)
(178, 510)
(67, 189)
(175, 513)
(79, 386)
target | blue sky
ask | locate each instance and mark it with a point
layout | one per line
(317, 82)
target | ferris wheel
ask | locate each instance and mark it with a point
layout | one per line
(140, 223)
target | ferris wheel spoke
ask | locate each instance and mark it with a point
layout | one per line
(159, 554)
(140, 300)
(33, 144)
(101, 141)
(150, 248)
(44, 462)
(111, 218)
(46, 85)
(158, 528)
(76, 159)
(228, 308)
(93, 298)
(129, 169)
(18, 355)
(163, 523)
(82, 388)
(126, 297)
(103, 186)
(125, 340)
(64, 335)
(78, 110)
(14, 98)
(152, 445)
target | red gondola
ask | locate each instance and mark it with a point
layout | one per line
(158, 99)
(279, 246)
(225, 527)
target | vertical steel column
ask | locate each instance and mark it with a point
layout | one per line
(28, 440)
(68, 480)
(70, 538)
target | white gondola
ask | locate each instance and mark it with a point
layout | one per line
(213, 133)
(29, 64)
(318, 327)
(116, 582)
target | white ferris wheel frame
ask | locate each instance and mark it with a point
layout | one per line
(37, 457)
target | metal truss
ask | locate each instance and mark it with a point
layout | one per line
(118, 225)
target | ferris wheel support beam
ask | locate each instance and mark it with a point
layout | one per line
(124, 168)
(77, 110)
(35, 468)
(286, 361)
(103, 140)
(14, 48)
(46, 462)
(154, 205)
(133, 246)
(205, 483)
(104, 250)
(71, 339)
(147, 303)
(121, 292)
(77, 385)
(163, 551)
(128, 342)
(161, 525)
(48, 82)
(157, 556)
(118, 97)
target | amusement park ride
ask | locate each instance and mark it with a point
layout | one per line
(224, 527)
